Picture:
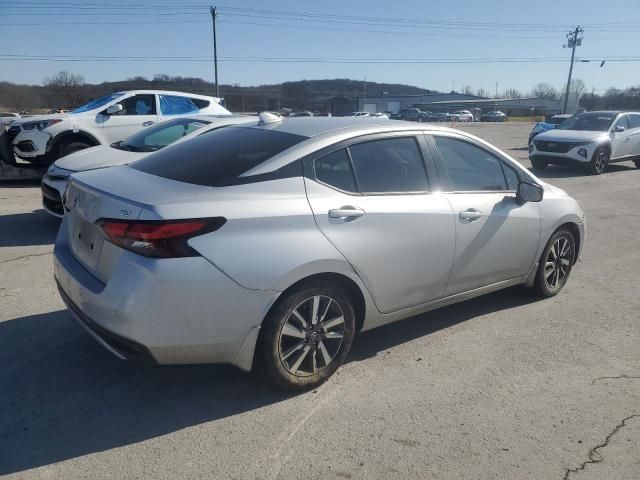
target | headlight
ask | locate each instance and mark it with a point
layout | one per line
(40, 124)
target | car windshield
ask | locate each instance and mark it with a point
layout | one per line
(161, 135)
(593, 122)
(97, 103)
(218, 157)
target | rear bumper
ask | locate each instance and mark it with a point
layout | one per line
(180, 310)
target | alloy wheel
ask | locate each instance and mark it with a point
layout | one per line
(601, 161)
(311, 336)
(558, 263)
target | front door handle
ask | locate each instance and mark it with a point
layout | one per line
(470, 214)
(148, 123)
(346, 212)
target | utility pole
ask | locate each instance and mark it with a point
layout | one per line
(215, 50)
(573, 41)
(364, 93)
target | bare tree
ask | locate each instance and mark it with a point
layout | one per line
(544, 90)
(68, 85)
(512, 93)
(481, 92)
(577, 86)
(467, 90)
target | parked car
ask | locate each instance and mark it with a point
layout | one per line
(463, 116)
(7, 118)
(126, 151)
(496, 116)
(550, 124)
(45, 138)
(411, 114)
(268, 246)
(304, 113)
(379, 115)
(441, 117)
(359, 114)
(591, 140)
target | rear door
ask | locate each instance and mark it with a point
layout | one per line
(373, 199)
(496, 236)
(138, 112)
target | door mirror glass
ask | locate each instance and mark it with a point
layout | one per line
(619, 129)
(115, 108)
(530, 192)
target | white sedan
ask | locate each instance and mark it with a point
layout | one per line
(127, 151)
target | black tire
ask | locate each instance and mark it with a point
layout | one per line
(539, 164)
(553, 271)
(72, 147)
(275, 348)
(599, 161)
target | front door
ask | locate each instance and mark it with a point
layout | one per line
(138, 112)
(621, 142)
(373, 201)
(496, 235)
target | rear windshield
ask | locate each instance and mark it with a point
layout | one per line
(218, 157)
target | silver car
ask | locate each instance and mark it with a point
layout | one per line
(269, 246)
(592, 140)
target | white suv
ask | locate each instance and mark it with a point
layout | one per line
(114, 117)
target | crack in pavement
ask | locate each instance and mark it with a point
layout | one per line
(25, 256)
(594, 455)
(615, 378)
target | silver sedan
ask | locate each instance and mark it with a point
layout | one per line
(269, 246)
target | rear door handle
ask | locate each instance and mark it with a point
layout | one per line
(470, 214)
(346, 212)
(148, 123)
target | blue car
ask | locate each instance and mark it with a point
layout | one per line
(553, 122)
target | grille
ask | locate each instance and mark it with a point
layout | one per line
(555, 147)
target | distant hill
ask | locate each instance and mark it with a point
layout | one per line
(297, 95)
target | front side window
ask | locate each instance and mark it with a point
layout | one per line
(621, 122)
(217, 157)
(389, 165)
(470, 168)
(335, 170)
(174, 105)
(634, 120)
(97, 103)
(161, 135)
(138, 105)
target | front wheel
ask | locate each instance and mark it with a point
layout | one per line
(305, 338)
(556, 263)
(599, 161)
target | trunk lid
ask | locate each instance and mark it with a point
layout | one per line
(117, 193)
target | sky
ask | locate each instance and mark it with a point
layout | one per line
(400, 41)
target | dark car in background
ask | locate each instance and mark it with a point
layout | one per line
(496, 116)
(411, 114)
(441, 117)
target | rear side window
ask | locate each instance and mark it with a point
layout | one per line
(335, 170)
(470, 168)
(174, 105)
(389, 165)
(200, 103)
(218, 157)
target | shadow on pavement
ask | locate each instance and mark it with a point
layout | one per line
(64, 396)
(34, 228)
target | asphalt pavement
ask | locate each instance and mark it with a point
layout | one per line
(504, 386)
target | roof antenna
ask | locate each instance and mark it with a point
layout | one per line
(267, 118)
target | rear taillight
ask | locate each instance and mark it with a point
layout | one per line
(158, 239)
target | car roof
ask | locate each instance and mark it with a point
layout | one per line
(315, 126)
(168, 92)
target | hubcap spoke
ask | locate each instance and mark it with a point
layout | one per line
(302, 321)
(333, 322)
(292, 350)
(333, 335)
(301, 357)
(325, 353)
(314, 313)
(292, 331)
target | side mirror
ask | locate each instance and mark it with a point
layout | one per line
(619, 129)
(115, 108)
(530, 192)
